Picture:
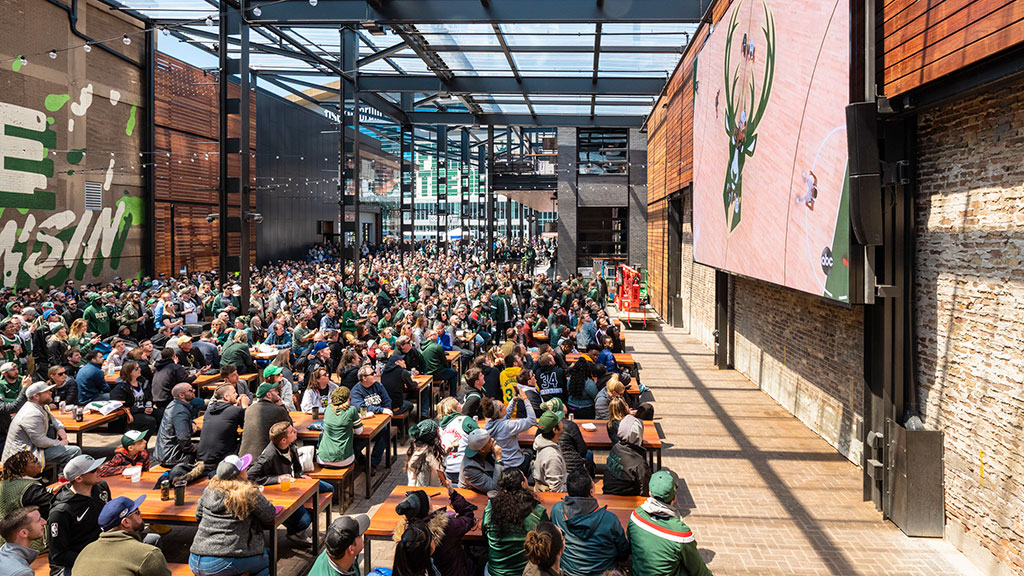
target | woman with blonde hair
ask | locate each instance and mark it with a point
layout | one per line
(341, 424)
(612, 389)
(79, 338)
(617, 410)
(232, 514)
(218, 329)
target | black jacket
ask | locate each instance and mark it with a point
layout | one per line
(168, 373)
(73, 523)
(7, 412)
(396, 380)
(414, 360)
(219, 437)
(349, 376)
(551, 383)
(492, 381)
(273, 463)
(626, 472)
(122, 391)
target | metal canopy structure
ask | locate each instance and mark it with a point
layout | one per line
(465, 62)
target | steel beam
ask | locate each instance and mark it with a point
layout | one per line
(533, 85)
(475, 12)
(547, 120)
(384, 53)
(489, 211)
(581, 49)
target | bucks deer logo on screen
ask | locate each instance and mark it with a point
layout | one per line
(745, 104)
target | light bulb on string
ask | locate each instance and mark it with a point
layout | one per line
(209, 20)
(126, 39)
(87, 48)
(313, 2)
(257, 12)
(165, 30)
(23, 60)
(53, 54)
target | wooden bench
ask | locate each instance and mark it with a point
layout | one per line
(401, 422)
(42, 565)
(343, 481)
(323, 503)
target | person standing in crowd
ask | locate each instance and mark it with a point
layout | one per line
(425, 457)
(73, 522)
(660, 541)
(454, 428)
(505, 431)
(264, 413)
(120, 549)
(232, 514)
(544, 546)
(510, 514)
(36, 430)
(626, 470)
(595, 540)
(437, 364)
(19, 529)
(168, 374)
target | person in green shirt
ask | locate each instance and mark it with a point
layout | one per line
(341, 423)
(509, 515)
(97, 316)
(662, 543)
(343, 544)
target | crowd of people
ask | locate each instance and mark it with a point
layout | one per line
(342, 342)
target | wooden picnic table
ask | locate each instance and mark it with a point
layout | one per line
(541, 335)
(598, 438)
(89, 421)
(154, 509)
(211, 383)
(423, 382)
(373, 425)
(451, 356)
(625, 359)
(384, 519)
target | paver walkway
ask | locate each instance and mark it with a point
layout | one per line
(764, 494)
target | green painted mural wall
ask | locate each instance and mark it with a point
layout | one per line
(69, 118)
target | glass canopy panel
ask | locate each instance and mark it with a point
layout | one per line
(579, 109)
(550, 63)
(619, 34)
(548, 34)
(173, 9)
(454, 29)
(476, 63)
(622, 110)
(462, 39)
(514, 108)
(655, 64)
(554, 98)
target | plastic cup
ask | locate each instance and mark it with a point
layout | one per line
(286, 484)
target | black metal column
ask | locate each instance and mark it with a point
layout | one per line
(223, 147)
(245, 155)
(149, 168)
(489, 210)
(464, 164)
(441, 173)
(406, 203)
(722, 326)
(480, 198)
(350, 228)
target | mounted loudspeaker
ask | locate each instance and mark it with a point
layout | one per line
(865, 173)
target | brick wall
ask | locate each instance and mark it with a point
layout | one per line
(970, 316)
(807, 354)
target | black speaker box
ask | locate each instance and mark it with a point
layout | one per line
(865, 173)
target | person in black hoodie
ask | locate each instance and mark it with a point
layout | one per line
(626, 470)
(224, 417)
(73, 522)
(413, 358)
(550, 379)
(348, 370)
(397, 381)
(168, 373)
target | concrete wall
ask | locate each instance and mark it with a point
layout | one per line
(69, 120)
(970, 316)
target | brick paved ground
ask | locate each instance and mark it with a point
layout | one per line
(763, 494)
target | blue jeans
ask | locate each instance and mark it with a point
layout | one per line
(303, 517)
(379, 446)
(215, 566)
(405, 407)
(451, 377)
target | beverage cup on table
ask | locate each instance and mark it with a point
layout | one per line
(286, 483)
(179, 492)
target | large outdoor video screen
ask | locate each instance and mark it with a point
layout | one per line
(770, 183)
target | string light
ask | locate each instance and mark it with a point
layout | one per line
(313, 2)
(87, 48)
(257, 12)
(53, 54)
(23, 60)
(126, 39)
(209, 20)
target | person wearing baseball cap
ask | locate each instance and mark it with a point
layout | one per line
(236, 353)
(549, 469)
(34, 428)
(74, 517)
(131, 452)
(482, 464)
(626, 471)
(661, 542)
(343, 544)
(120, 548)
(264, 413)
(10, 381)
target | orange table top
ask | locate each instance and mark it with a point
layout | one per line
(371, 424)
(212, 382)
(451, 356)
(541, 335)
(89, 420)
(596, 438)
(422, 381)
(384, 520)
(156, 510)
(623, 359)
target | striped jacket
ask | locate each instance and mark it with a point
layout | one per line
(663, 546)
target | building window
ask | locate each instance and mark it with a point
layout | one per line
(602, 151)
(602, 233)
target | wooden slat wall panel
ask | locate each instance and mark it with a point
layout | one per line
(186, 100)
(924, 41)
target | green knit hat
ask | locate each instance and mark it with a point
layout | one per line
(555, 405)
